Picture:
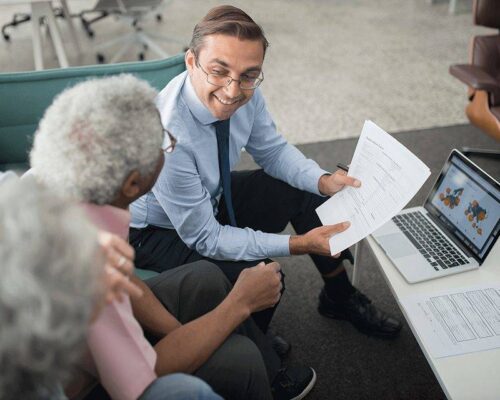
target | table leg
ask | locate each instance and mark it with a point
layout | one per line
(54, 33)
(72, 30)
(355, 267)
(36, 14)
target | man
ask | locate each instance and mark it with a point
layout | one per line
(215, 109)
(52, 285)
(106, 153)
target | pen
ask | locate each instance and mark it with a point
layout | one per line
(343, 167)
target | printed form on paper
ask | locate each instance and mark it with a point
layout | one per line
(390, 176)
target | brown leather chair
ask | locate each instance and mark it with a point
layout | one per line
(482, 75)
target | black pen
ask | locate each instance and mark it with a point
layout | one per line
(343, 167)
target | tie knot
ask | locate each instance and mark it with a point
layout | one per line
(221, 124)
(222, 128)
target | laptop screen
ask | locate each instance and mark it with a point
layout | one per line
(467, 201)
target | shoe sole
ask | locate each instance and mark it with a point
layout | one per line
(368, 332)
(308, 388)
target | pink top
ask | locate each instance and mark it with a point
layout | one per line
(123, 358)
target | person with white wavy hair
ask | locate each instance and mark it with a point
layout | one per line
(100, 143)
(98, 126)
(50, 285)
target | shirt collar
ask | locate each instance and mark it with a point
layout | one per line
(109, 218)
(197, 108)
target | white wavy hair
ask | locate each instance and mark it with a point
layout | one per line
(50, 279)
(94, 135)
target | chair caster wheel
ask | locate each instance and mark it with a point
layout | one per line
(100, 58)
(141, 56)
(6, 37)
(159, 17)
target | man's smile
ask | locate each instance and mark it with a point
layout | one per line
(227, 102)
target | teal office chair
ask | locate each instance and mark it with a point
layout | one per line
(24, 97)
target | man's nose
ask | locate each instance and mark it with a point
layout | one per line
(233, 90)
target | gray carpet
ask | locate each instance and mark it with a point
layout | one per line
(351, 365)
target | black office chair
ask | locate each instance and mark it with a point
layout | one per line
(21, 18)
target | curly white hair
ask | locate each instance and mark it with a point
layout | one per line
(94, 135)
(51, 279)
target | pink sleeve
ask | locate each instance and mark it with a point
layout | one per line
(123, 357)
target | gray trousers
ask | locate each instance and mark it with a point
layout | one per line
(242, 367)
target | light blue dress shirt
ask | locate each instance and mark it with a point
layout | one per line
(187, 192)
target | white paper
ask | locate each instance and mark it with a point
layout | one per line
(390, 176)
(457, 321)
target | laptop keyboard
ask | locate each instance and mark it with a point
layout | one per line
(431, 243)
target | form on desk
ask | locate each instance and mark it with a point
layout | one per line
(390, 176)
(457, 321)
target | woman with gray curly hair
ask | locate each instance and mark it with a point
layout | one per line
(50, 284)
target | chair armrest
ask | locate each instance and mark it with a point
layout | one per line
(475, 77)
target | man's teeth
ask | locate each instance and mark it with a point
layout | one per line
(226, 102)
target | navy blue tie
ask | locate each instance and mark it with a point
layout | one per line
(222, 133)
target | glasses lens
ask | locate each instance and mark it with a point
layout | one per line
(249, 83)
(218, 80)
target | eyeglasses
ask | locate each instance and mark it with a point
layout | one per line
(221, 80)
(173, 141)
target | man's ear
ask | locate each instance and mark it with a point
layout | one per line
(131, 187)
(190, 61)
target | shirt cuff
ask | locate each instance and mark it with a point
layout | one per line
(313, 179)
(278, 245)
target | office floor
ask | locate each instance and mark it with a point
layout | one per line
(331, 65)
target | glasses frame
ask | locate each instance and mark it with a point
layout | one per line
(230, 79)
(173, 141)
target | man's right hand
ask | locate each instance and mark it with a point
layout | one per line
(317, 240)
(259, 287)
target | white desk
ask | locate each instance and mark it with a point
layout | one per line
(43, 8)
(473, 376)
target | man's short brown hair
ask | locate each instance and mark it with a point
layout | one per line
(226, 20)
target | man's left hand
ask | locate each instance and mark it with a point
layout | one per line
(328, 185)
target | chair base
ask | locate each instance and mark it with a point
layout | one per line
(138, 38)
(479, 114)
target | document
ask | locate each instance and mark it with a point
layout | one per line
(390, 176)
(457, 321)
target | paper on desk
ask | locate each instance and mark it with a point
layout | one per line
(457, 321)
(390, 176)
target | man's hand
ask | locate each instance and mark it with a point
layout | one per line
(316, 241)
(119, 266)
(259, 287)
(328, 185)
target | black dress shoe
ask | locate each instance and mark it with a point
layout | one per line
(280, 346)
(293, 383)
(360, 311)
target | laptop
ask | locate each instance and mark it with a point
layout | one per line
(455, 229)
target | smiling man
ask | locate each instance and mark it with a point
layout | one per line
(199, 209)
